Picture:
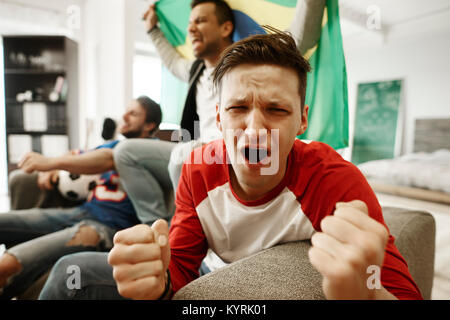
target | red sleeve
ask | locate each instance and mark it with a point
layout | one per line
(336, 180)
(188, 243)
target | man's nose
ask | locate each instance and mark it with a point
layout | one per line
(191, 27)
(256, 128)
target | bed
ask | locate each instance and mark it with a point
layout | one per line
(421, 180)
(423, 174)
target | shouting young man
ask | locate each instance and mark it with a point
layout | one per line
(259, 186)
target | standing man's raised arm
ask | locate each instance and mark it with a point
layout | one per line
(171, 59)
(307, 23)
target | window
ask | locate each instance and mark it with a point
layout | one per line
(147, 76)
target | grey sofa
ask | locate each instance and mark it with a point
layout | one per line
(284, 271)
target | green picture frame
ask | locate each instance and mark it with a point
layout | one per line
(378, 121)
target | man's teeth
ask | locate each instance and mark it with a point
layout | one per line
(254, 155)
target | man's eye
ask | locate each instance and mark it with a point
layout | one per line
(237, 108)
(278, 110)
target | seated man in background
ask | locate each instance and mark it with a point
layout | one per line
(37, 238)
(39, 189)
(259, 187)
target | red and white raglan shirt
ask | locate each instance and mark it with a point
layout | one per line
(209, 214)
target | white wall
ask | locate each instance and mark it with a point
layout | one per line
(422, 61)
(29, 17)
(106, 49)
(105, 37)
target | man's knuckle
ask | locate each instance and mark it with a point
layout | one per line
(154, 250)
(119, 274)
(383, 233)
(159, 267)
(371, 249)
(353, 258)
(113, 256)
(325, 223)
(124, 291)
(341, 273)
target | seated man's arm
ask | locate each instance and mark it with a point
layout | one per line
(48, 179)
(93, 162)
(307, 23)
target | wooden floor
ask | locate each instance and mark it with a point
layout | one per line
(441, 214)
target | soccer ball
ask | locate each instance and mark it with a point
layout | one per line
(76, 187)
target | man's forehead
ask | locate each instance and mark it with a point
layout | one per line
(261, 74)
(203, 9)
(135, 106)
(275, 82)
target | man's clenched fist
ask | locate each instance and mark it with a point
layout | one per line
(140, 258)
(349, 243)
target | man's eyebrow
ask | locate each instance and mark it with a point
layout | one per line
(271, 104)
(198, 17)
(236, 101)
(279, 103)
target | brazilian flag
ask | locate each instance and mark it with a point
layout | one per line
(326, 92)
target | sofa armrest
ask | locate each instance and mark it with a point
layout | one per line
(281, 272)
(284, 271)
(415, 238)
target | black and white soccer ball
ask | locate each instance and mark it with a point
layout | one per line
(76, 187)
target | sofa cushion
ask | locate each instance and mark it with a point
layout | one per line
(269, 274)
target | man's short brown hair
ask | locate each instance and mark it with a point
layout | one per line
(276, 48)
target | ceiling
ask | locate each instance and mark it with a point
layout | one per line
(399, 18)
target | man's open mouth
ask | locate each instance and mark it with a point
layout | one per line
(254, 155)
(195, 40)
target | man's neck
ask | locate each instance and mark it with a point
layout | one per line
(256, 191)
(211, 62)
(145, 136)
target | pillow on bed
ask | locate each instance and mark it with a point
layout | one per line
(419, 170)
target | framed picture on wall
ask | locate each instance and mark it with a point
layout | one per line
(378, 121)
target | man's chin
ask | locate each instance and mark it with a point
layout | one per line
(131, 134)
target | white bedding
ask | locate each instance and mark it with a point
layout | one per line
(419, 170)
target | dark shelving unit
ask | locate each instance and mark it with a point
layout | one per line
(40, 72)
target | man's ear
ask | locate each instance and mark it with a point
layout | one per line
(227, 28)
(148, 127)
(304, 124)
(218, 124)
